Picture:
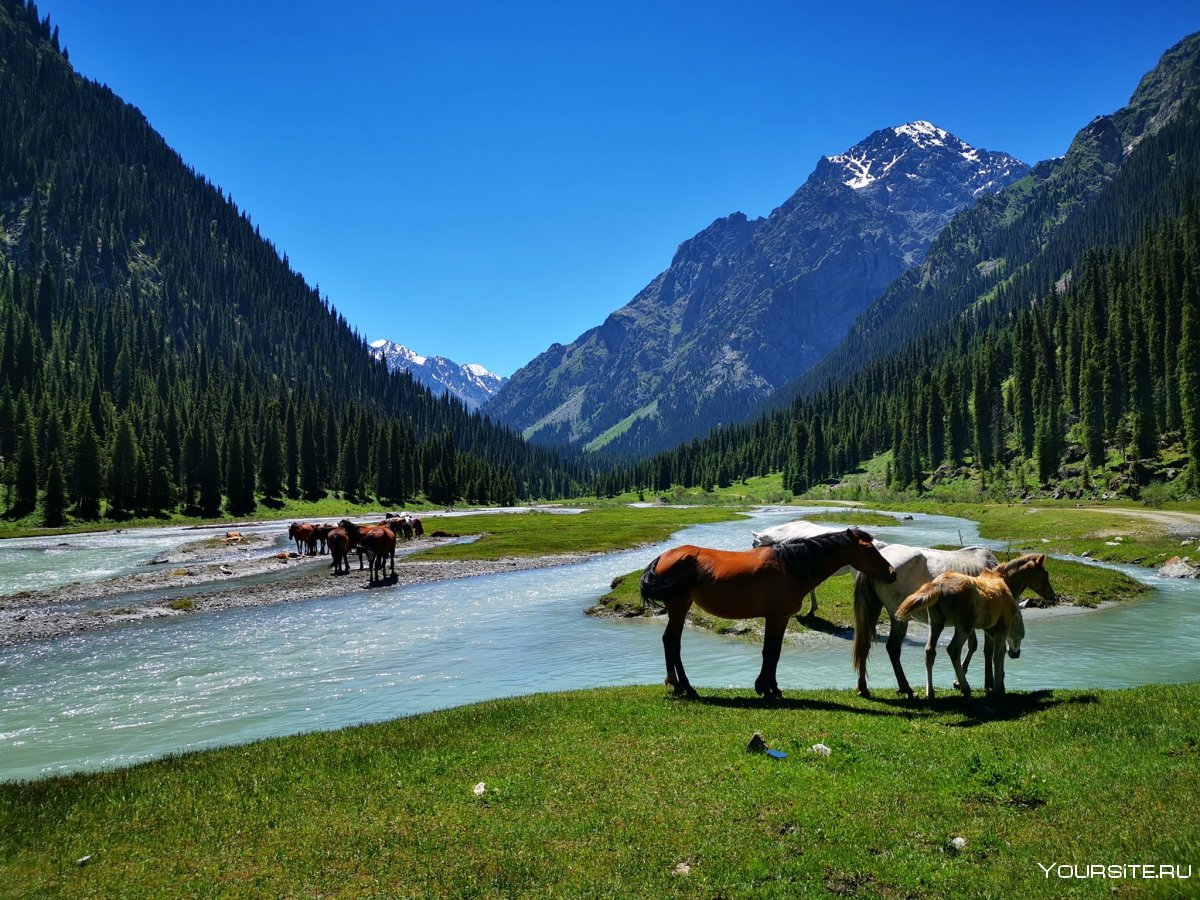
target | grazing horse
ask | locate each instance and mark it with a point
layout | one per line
(914, 567)
(987, 601)
(417, 527)
(742, 584)
(400, 525)
(791, 531)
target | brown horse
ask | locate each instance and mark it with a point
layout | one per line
(987, 601)
(377, 541)
(770, 581)
(302, 534)
(400, 525)
(321, 534)
(338, 540)
(417, 527)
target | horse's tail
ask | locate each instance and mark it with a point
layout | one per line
(925, 596)
(660, 588)
(867, 606)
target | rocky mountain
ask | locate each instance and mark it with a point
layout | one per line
(747, 305)
(1007, 248)
(471, 383)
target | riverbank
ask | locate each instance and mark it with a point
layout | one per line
(629, 792)
(219, 573)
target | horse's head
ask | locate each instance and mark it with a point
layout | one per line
(1039, 580)
(865, 556)
(1016, 634)
(1030, 572)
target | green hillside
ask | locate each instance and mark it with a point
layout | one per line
(157, 354)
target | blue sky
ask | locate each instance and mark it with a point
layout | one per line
(480, 180)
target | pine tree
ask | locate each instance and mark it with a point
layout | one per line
(310, 484)
(87, 474)
(271, 468)
(209, 485)
(26, 485)
(123, 481)
(235, 474)
(1091, 411)
(54, 502)
(1189, 384)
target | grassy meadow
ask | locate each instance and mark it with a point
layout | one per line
(630, 793)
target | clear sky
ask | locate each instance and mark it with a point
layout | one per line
(480, 180)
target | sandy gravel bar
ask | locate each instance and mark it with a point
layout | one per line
(201, 577)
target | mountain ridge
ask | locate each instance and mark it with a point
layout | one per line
(471, 383)
(748, 304)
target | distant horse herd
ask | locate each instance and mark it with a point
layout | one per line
(376, 542)
(968, 588)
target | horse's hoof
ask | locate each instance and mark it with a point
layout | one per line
(863, 692)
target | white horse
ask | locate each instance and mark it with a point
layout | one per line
(794, 531)
(915, 566)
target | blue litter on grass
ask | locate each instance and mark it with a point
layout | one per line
(778, 754)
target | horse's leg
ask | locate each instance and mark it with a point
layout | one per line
(672, 638)
(812, 596)
(766, 684)
(972, 644)
(999, 640)
(899, 628)
(955, 650)
(989, 669)
(936, 623)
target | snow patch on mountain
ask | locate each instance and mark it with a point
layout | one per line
(471, 383)
(886, 153)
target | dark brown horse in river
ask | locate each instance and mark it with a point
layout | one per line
(377, 541)
(340, 546)
(770, 581)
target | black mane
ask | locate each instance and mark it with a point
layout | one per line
(808, 555)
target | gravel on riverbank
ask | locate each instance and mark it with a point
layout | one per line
(212, 575)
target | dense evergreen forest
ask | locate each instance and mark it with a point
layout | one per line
(1078, 375)
(158, 355)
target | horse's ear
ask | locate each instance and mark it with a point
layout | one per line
(1041, 559)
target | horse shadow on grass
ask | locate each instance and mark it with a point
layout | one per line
(974, 711)
(983, 708)
(798, 704)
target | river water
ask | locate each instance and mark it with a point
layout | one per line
(114, 697)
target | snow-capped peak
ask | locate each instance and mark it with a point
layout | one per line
(911, 150)
(926, 134)
(471, 383)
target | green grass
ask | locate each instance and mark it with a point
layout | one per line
(1102, 533)
(606, 792)
(1074, 582)
(848, 516)
(542, 533)
(611, 434)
